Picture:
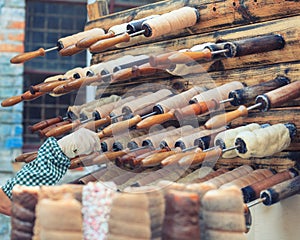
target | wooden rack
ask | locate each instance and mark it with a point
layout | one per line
(229, 20)
(222, 20)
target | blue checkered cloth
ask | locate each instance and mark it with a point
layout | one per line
(48, 168)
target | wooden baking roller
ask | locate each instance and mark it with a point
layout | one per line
(280, 191)
(279, 135)
(248, 94)
(252, 192)
(241, 95)
(47, 87)
(274, 194)
(156, 158)
(52, 82)
(199, 157)
(42, 132)
(206, 51)
(207, 101)
(133, 107)
(137, 71)
(251, 178)
(128, 159)
(100, 118)
(92, 125)
(164, 108)
(174, 158)
(137, 141)
(104, 75)
(135, 162)
(157, 139)
(61, 44)
(26, 96)
(263, 102)
(130, 28)
(229, 49)
(201, 138)
(44, 124)
(157, 26)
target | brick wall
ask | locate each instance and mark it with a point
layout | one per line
(12, 25)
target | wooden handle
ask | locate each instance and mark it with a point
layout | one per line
(93, 125)
(279, 96)
(22, 157)
(62, 129)
(281, 191)
(161, 59)
(248, 94)
(136, 161)
(84, 81)
(156, 158)
(175, 158)
(43, 124)
(27, 56)
(196, 109)
(76, 162)
(11, 101)
(36, 88)
(186, 57)
(224, 119)
(83, 161)
(42, 133)
(156, 119)
(146, 70)
(122, 75)
(60, 89)
(70, 50)
(198, 157)
(49, 86)
(31, 157)
(88, 41)
(119, 127)
(107, 43)
(133, 154)
(109, 156)
(26, 96)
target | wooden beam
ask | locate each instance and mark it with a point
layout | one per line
(214, 16)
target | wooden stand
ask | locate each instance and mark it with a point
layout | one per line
(228, 20)
(225, 20)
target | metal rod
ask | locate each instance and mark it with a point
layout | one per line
(255, 202)
(149, 115)
(137, 33)
(190, 148)
(226, 100)
(51, 49)
(87, 120)
(254, 106)
(118, 34)
(117, 116)
(220, 51)
(230, 148)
